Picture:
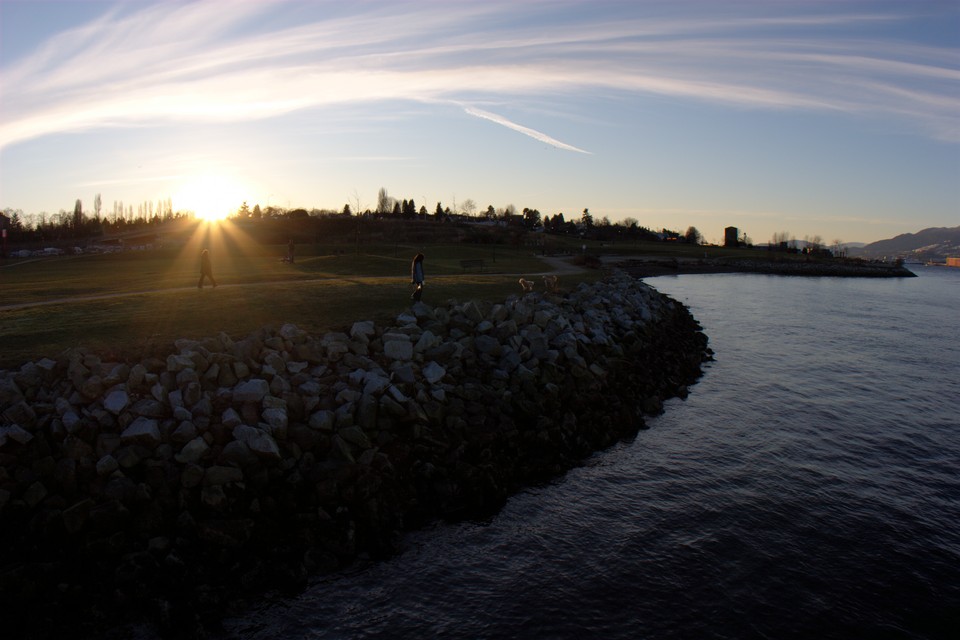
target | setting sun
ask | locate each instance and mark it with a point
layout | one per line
(209, 197)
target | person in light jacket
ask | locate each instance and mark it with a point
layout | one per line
(416, 276)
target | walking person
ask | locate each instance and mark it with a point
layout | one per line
(206, 270)
(416, 277)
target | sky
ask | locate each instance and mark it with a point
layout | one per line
(838, 119)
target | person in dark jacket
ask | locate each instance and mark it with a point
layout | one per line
(416, 276)
(206, 271)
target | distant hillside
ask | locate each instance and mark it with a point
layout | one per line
(935, 243)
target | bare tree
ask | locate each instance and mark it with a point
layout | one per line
(780, 237)
(356, 198)
(96, 206)
(469, 207)
(814, 242)
(384, 202)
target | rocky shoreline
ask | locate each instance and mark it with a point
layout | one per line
(165, 492)
(652, 267)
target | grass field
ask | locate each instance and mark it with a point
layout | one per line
(128, 304)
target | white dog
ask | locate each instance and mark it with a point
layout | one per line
(551, 283)
(527, 285)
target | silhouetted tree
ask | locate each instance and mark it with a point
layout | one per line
(692, 236)
(531, 218)
(77, 215)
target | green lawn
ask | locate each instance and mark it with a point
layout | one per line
(131, 303)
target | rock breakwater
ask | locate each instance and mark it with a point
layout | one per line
(167, 489)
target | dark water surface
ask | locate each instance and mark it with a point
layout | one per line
(807, 488)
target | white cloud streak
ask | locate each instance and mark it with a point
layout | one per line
(215, 62)
(536, 135)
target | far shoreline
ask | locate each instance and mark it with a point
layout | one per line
(659, 266)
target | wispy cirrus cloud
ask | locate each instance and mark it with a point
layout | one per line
(212, 62)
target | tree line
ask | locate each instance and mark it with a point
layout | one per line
(89, 224)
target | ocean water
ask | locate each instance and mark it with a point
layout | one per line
(809, 487)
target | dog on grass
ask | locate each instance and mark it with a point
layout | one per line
(551, 283)
(527, 285)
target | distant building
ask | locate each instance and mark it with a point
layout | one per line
(953, 262)
(731, 237)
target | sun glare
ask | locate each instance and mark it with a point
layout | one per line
(209, 197)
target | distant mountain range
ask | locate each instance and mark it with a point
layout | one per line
(935, 243)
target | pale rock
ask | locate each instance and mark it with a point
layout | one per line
(245, 433)
(275, 417)
(230, 418)
(175, 398)
(397, 346)
(375, 383)
(62, 406)
(179, 362)
(310, 388)
(15, 433)
(484, 326)
(427, 340)
(251, 390)
(116, 401)
(363, 328)
(71, 422)
(292, 333)
(397, 395)
(107, 465)
(406, 320)
(185, 432)
(404, 373)
(355, 436)
(238, 453)
(264, 446)
(433, 372)
(193, 451)
(487, 345)
(295, 367)
(472, 311)
(240, 370)
(143, 431)
(322, 420)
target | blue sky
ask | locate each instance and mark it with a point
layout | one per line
(838, 119)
